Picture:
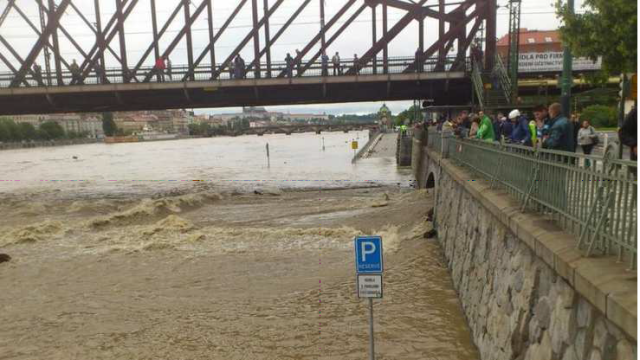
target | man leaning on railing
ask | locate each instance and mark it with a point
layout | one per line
(560, 131)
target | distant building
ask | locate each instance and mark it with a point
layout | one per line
(542, 51)
(532, 41)
(384, 118)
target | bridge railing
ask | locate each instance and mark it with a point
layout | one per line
(180, 73)
(592, 197)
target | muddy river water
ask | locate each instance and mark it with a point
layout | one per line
(204, 249)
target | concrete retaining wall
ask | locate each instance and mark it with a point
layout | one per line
(526, 292)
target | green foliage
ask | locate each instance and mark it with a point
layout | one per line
(600, 116)
(28, 131)
(109, 125)
(51, 130)
(409, 116)
(607, 29)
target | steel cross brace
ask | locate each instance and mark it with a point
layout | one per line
(318, 37)
(280, 32)
(98, 47)
(42, 40)
(247, 38)
(179, 37)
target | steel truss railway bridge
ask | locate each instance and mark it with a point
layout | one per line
(126, 83)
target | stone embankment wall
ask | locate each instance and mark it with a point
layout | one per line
(516, 305)
(526, 292)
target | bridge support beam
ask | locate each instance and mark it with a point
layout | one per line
(490, 50)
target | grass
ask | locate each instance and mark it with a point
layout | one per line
(607, 129)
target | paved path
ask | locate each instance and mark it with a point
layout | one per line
(386, 147)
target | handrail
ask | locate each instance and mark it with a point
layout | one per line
(395, 65)
(478, 84)
(591, 197)
(503, 75)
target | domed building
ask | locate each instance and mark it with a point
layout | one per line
(385, 119)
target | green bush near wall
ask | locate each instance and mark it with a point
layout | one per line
(600, 116)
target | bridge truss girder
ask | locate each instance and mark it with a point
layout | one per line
(462, 17)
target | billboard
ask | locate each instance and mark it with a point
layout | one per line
(552, 62)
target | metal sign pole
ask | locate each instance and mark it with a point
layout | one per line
(372, 354)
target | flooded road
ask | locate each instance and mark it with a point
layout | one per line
(246, 264)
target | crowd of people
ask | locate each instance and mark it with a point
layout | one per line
(548, 129)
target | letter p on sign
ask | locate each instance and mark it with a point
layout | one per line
(368, 251)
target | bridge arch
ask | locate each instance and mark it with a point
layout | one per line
(431, 180)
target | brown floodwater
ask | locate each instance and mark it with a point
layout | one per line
(200, 273)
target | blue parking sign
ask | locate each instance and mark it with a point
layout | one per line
(368, 254)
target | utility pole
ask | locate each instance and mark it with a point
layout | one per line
(567, 79)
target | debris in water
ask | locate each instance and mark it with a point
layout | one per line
(431, 234)
(4, 258)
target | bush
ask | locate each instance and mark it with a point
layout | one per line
(600, 116)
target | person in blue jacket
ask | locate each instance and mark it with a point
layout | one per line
(560, 131)
(521, 134)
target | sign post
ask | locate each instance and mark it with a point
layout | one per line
(369, 268)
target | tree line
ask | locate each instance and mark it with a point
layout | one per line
(10, 131)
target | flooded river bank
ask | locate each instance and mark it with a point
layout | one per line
(232, 267)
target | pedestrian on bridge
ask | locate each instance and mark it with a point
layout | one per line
(337, 70)
(169, 69)
(356, 64)
(298, 63)
(160, 68)
(101, 77)
(325, 64)
(76, 77)
(289, 63)
(239, 65)
(37, 74)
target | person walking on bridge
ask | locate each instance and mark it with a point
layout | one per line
(336, 64)
(76, 77)
(37, 74)
(298, 64)
(169, 69)
(160, 67)
(356, 64)
(289, 63)
(325, 64)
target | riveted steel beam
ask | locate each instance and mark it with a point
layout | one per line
(211, 46)
(318, 37)
(52, 24)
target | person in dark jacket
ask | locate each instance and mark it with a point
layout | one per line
(521, 134)
(560, 131)
(628, 133)
(506, 129)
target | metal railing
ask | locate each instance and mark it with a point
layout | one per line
(478, 83)
(394, 65)
(591, 197)
(503, 76)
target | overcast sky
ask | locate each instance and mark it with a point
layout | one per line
(536, 14)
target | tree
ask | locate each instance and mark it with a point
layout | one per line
(51, 130)
(600, 116)
(28, 131)
(108, 124)
(608, 28)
